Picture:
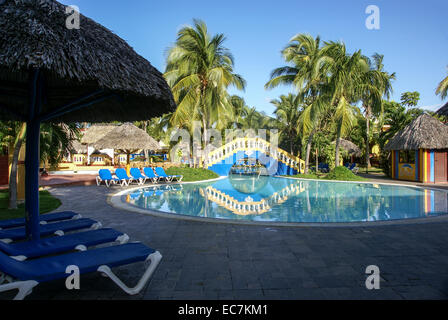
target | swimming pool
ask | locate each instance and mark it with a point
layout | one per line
(290, 200)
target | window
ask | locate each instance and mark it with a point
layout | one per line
(407, 156)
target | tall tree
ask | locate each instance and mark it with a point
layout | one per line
(287, 111)
(410, 99)
(306, 71)
(377, 84)
(199, 71)
(345, 87)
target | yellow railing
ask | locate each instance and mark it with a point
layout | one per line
(251, 145)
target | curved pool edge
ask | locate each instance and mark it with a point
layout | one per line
(368, 182)
(115, 201)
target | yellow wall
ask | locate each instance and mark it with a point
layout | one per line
(406, 171)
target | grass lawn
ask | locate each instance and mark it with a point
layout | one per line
(305, 176)
(47, 203)
(192, 174)
(339, 173)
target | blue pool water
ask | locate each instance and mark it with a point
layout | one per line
(290, 200)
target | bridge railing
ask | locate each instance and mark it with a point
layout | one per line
(248, 206)
(255, 144)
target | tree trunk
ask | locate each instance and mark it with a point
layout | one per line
(145, 127)
(317, 160)
(205, 150)
(367, 139)
(14, 168)
(338, 142)
(308, 152)
(291, 144)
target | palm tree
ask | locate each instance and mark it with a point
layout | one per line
(55, 141)
(287, 112)
(442, 88)
(345, 87)
(307, 71)
(377, 84)
(199, 71)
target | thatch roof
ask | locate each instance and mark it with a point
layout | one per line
(443, 110)
(73, 63)
(127, 137)
(96, 132)
(77, 147)
(425, 132)
(351, 148)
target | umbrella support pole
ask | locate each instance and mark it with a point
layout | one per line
(32, 159)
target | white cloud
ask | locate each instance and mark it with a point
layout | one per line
(433, 107)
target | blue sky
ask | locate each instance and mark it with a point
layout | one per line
(412, 35)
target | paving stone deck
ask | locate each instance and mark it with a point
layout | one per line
(204, 260)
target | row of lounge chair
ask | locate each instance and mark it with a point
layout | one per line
(25, 264)
(121, 177)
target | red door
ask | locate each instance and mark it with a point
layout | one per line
(440, 166)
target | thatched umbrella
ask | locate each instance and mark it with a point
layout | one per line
(78, 147)
(127, 138)
(351, 148)
(424, 132)
(51, 73)
(95, 133)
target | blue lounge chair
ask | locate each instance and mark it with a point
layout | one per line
(44, 218)
(353, 168)
(161, 173)
(149, 174)
(324, 167)
(25, 275)
(137, 175)
(106, 176)
(75, 241)
(123, 177)
(58, 228)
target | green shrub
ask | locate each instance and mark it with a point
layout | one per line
(343, 173)
(192, 174)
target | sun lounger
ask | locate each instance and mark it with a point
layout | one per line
(123, 177)
(149, 174)
(58, 228)
(106, 176)
(137, 175)
(44, 218)
(25, 275)
(75, 241)
(161, 173)
(353, 168)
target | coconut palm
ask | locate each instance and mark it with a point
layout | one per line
(307, 71)
(442, 88)
(199, 71)
(376, 85)
(287, 112)
(345, 87)
(55, 141)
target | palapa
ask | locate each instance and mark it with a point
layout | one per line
(424, 132)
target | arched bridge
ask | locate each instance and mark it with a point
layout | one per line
(277, 161)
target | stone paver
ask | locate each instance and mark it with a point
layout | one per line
(204, 260)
